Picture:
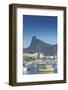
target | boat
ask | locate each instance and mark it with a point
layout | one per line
(47, 69)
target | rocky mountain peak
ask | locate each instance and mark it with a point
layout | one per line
(40, 46)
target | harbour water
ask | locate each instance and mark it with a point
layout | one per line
(40, 67)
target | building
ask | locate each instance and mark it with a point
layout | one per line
(41, 55)
(34, 55)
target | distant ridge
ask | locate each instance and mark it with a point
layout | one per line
(39, 46)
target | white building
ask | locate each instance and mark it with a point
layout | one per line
(41, 55)
(51, 57)
(34, 55)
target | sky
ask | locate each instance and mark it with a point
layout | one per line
(43, 27)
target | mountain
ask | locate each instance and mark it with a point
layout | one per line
(39, 46)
